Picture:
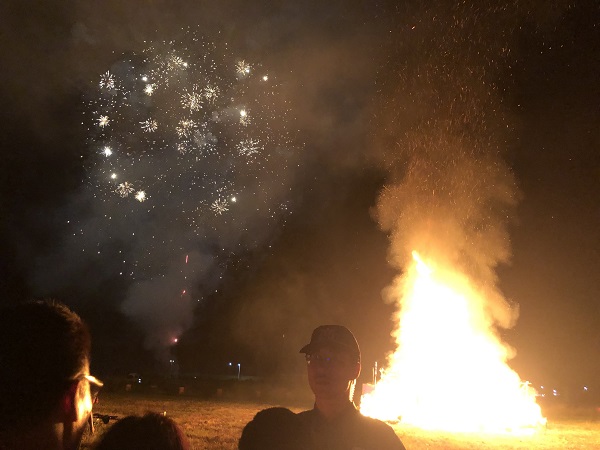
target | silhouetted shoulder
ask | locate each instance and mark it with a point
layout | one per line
(271, 428)
(351, 431)
(381, 432)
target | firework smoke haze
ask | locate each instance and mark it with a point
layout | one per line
(443, 130)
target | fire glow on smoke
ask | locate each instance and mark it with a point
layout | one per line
(449, 370)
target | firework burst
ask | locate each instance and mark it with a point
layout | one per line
(177, 122)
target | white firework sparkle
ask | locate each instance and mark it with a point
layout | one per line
(192, 100)
(249, 147)
(140, 196)
(175, 62)
(103, 121)
(149, 125)
(186, 128)
(219, 206)
(211, 93)
(107, 81)
(244, 117)
(242, 68)
(149, 89)
(124, 189)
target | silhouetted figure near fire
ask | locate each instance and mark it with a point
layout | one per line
(333, 365)
(46, 390)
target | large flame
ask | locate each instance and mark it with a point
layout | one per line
(449, 371)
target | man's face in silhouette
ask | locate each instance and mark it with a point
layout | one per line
(331, 372)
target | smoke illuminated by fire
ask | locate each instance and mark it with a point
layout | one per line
(449, 371)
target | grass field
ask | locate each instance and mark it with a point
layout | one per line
(218, 425)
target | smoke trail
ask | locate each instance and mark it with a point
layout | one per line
(443, 130)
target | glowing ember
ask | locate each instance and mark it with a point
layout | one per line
(449, 371)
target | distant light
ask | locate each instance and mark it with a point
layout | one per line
(265, 77)
(113, 175)
(144, 78)
(233, 199)
(585, 388)
(175, 340)
(243, 113)
(107, 151)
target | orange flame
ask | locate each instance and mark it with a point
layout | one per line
(449, 371)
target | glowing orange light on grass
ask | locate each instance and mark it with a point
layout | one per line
(449, 371)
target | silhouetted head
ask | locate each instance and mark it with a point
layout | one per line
(271, 428)
(333, 363)
(151, 432)
(45, 385)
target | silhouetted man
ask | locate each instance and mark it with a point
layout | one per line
(333, 365)
(46, 390)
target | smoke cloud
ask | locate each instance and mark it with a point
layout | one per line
(442, 133)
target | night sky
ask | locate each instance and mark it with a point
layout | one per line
(475, 128)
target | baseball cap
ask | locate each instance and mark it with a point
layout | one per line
(334, 336)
